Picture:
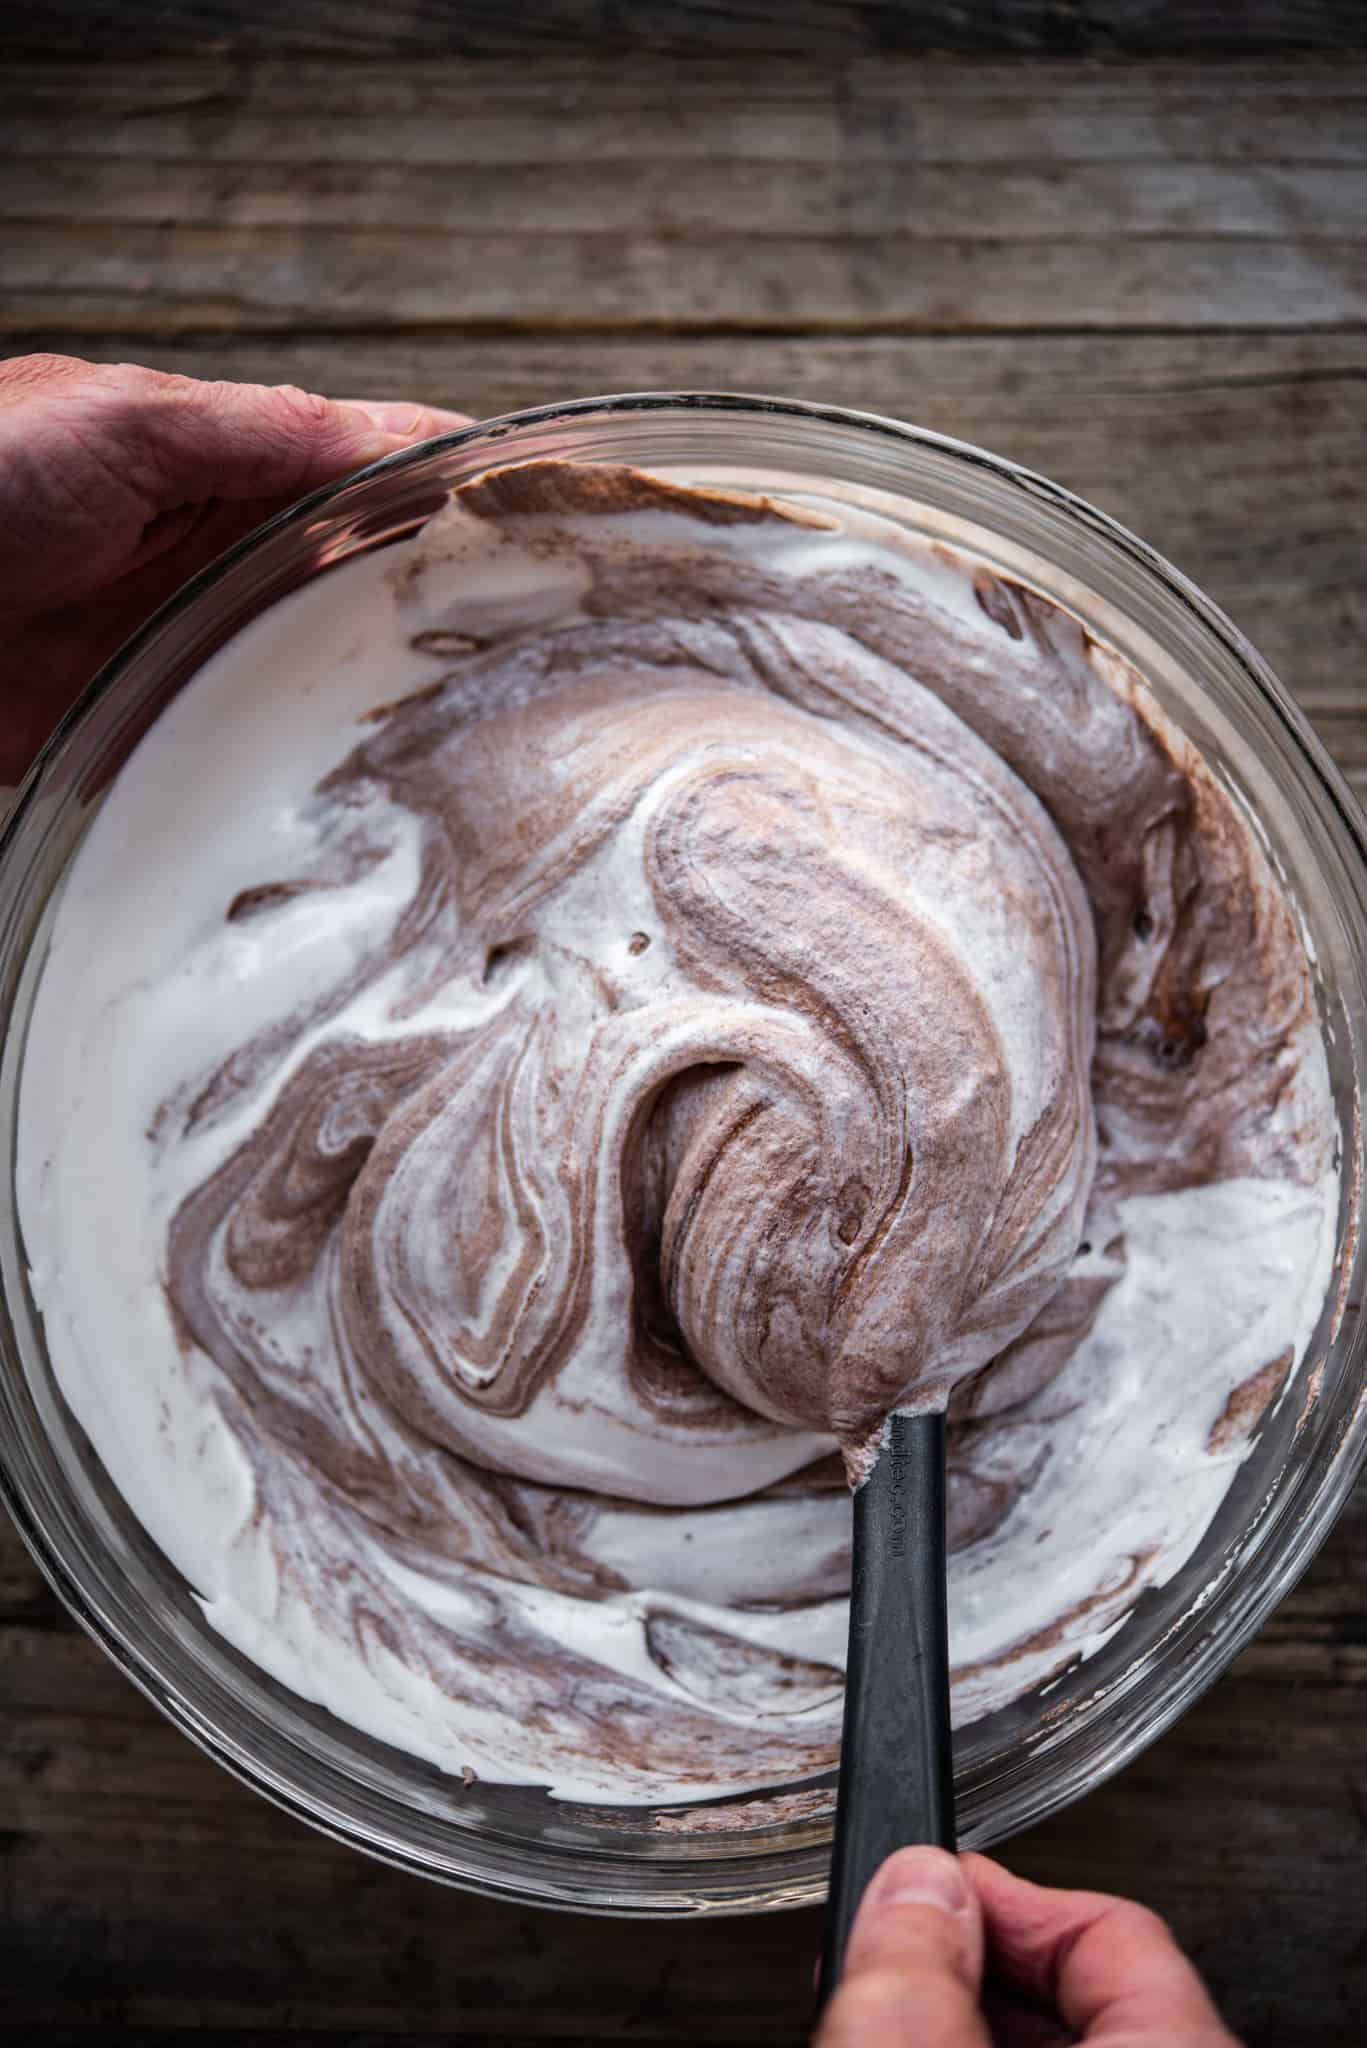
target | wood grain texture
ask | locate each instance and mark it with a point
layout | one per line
(1149, 281)
(807, 28)
(636, 112)
(905, 197)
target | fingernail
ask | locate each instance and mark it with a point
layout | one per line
(920, 1877)
(389, 416)
(406, 420)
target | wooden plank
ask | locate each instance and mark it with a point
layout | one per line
(306, 2036)
(1244, 461)
(576, 112)
(819, 29)
(143, 1888)
(121, 2036)
(183, 280)
(919, 199)
(721, 198)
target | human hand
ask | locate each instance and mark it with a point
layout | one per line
(119, 483)
(954, 1952)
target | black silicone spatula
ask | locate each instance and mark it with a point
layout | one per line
(896, 1767)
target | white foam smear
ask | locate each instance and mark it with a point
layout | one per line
(1218, 1282)
(130, 1005)
(146, 989)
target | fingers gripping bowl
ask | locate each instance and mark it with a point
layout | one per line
(879, 805)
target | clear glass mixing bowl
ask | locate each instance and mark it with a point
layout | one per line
(753, 1852)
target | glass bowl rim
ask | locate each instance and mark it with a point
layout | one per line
(800, 1869)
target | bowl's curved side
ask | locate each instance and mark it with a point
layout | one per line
(746, 1855)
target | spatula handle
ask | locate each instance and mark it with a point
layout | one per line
(896, 1763)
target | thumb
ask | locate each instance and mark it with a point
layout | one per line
(270, 441)
(914, 1962)
(105, 466)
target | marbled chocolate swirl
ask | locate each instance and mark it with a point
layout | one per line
(805, 965)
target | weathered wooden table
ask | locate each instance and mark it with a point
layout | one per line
(1147, 279)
